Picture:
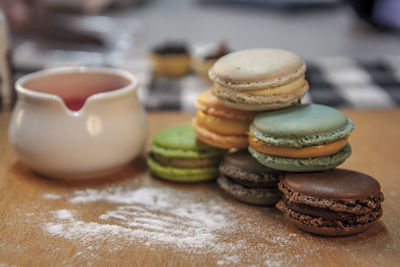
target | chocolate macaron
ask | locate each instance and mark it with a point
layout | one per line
(338, 202)
(245, 179)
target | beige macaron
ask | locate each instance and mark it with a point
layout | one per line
(259, 79)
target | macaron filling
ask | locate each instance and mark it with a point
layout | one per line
(210, 105)
(260, 97)
(185, 162)
(219, 140)
(251, 178)
(330, 215)
(184, 153)
(269, 91)
(304, 152)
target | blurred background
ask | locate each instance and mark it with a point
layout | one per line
(352, 48)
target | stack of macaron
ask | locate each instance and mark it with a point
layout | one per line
(245, 179)
(219, 125)
(277, 149)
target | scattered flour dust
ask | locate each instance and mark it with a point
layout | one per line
(50, 196)
(159, 216)
(153, 215)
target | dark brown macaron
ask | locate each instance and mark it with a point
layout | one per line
(338, 202)
(245, 179)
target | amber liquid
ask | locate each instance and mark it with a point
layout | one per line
(75, 88)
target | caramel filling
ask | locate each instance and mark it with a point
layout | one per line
(304, 152)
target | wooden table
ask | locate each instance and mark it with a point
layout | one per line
(133, 219)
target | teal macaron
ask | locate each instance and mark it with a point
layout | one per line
(178, 156)
(302, 138)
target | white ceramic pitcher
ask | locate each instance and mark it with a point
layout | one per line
(77, 122)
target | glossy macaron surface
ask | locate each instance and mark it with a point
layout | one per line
(335, 184)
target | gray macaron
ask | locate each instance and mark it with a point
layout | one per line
(245, 179)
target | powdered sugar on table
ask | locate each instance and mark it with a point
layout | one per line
(152, 215)
(189, 221)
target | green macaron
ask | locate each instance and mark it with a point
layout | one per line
(178, 156)
(302, 138)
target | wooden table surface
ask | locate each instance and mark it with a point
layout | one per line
(133, 219)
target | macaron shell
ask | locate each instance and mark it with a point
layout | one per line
(181, 141)
(219, 140)
(189, 154)
(178, 137)
(243, 160)
(332, 231)
(180, 162)
(255, 196)
(301, 125)
(184, 175)
(222, 125)
(302, 165)
(339, 184)
(300, 120)
(242, 166)
(271, 66)
(248, 178)
(211, 105)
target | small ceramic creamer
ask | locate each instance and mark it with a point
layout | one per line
(78, 122)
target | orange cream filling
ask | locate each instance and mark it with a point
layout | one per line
(304, 152)
(221, 125)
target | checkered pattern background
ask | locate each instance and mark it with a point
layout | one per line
(339, 82)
